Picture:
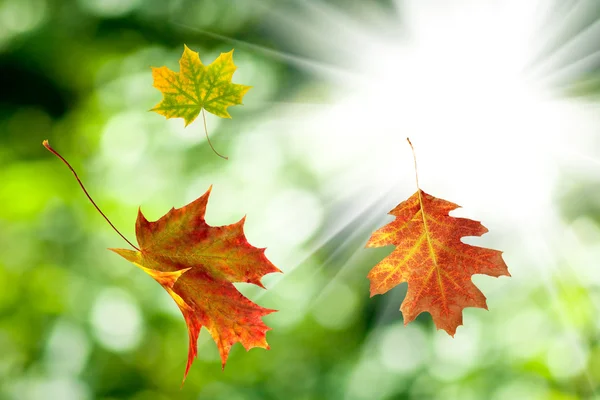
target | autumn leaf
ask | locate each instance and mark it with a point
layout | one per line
(430, 256)
(197, 87)
(197, 264)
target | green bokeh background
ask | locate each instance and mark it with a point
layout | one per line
(78, 322)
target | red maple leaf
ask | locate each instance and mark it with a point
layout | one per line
(197, 264)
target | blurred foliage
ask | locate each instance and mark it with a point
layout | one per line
(76, 322)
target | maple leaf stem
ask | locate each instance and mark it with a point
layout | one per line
(207, 138)
(415, 159)
(47, 146)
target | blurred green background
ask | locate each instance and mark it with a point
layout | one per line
(78, 322)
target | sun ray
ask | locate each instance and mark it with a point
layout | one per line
(568, 73)
(374, 210)
(318, 68)
(580, 45)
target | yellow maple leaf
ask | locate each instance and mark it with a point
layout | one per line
(197, 87)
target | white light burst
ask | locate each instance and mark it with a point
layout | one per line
(469, 82)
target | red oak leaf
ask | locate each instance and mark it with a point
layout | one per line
(430, 256)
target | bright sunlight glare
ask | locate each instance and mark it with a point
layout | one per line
(454, 83)
(458, 79)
